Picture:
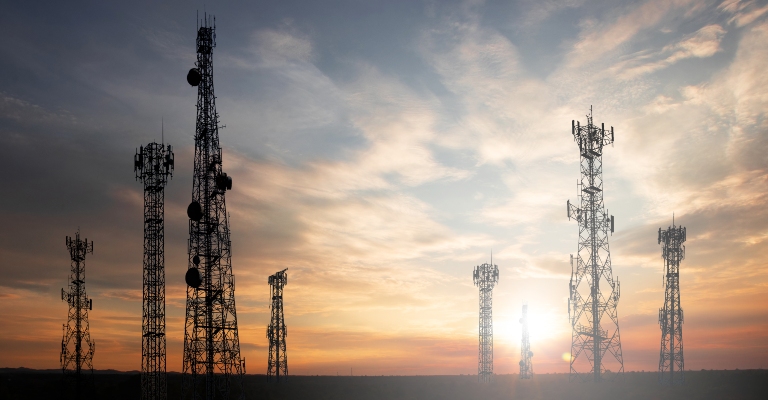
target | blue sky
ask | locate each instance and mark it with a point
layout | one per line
(380, 150)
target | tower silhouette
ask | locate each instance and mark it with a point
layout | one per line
(153, 165)
(485, 277)
(77, 348)
(593, 291)
(671, 362)
(211, 340)
(277, 365)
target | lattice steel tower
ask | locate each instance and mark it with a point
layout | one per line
(594, 292)
(671, 362)
(277, 365)
(526, 364)
(485, 277)
(211, 341)
(153, 165)
(77, 348)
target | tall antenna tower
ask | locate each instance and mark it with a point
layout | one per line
(153, 165)
(671, 362)
(211, 341)
(277, 364)
(526, 365)
(77, 348)
(594, 293)
(485, 277)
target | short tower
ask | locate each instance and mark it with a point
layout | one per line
(77, 348)
(526, 364)
(671, 362)
(485, 277)
(277, 365)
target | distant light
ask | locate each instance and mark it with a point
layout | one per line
(567, 357)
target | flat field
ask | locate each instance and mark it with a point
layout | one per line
(113, 385)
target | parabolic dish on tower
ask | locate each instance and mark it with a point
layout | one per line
(194, 77)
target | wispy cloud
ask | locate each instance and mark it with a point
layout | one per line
(600, 37)
(743, 12)
(703, 43)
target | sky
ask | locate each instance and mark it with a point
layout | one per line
(380, 151)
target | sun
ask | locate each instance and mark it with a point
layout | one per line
(544, 326)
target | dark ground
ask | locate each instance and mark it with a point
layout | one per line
(112, 385)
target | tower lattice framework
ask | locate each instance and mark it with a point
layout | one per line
(211, 363)
(593, 291)
(671, 361)
(485, 277)
(153, 165)
(526, 355)
(77, 348)
(277, 365)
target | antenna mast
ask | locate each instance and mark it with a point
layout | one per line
(671, 362)
(526, 364)
(77, 348)
(153, 165)
(277, 365)
(485, 277)
(211, 340)
(594, 292)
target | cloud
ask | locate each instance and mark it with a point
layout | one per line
(22, 111)
(170, 43)
(711, 136)
(597, 39)
(696, 154)
(743, 12)
(539, 11)
(703, 43)
(283, 45)
(365, 236)
(505, 114)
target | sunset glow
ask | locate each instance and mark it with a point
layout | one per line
(380, 151)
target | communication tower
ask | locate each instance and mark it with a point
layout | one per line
(153, 165)
(211, 341)
(277, 365)
(593, 291)
(485, 277)
(671, 362)
(77, 348)
(526, 364)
